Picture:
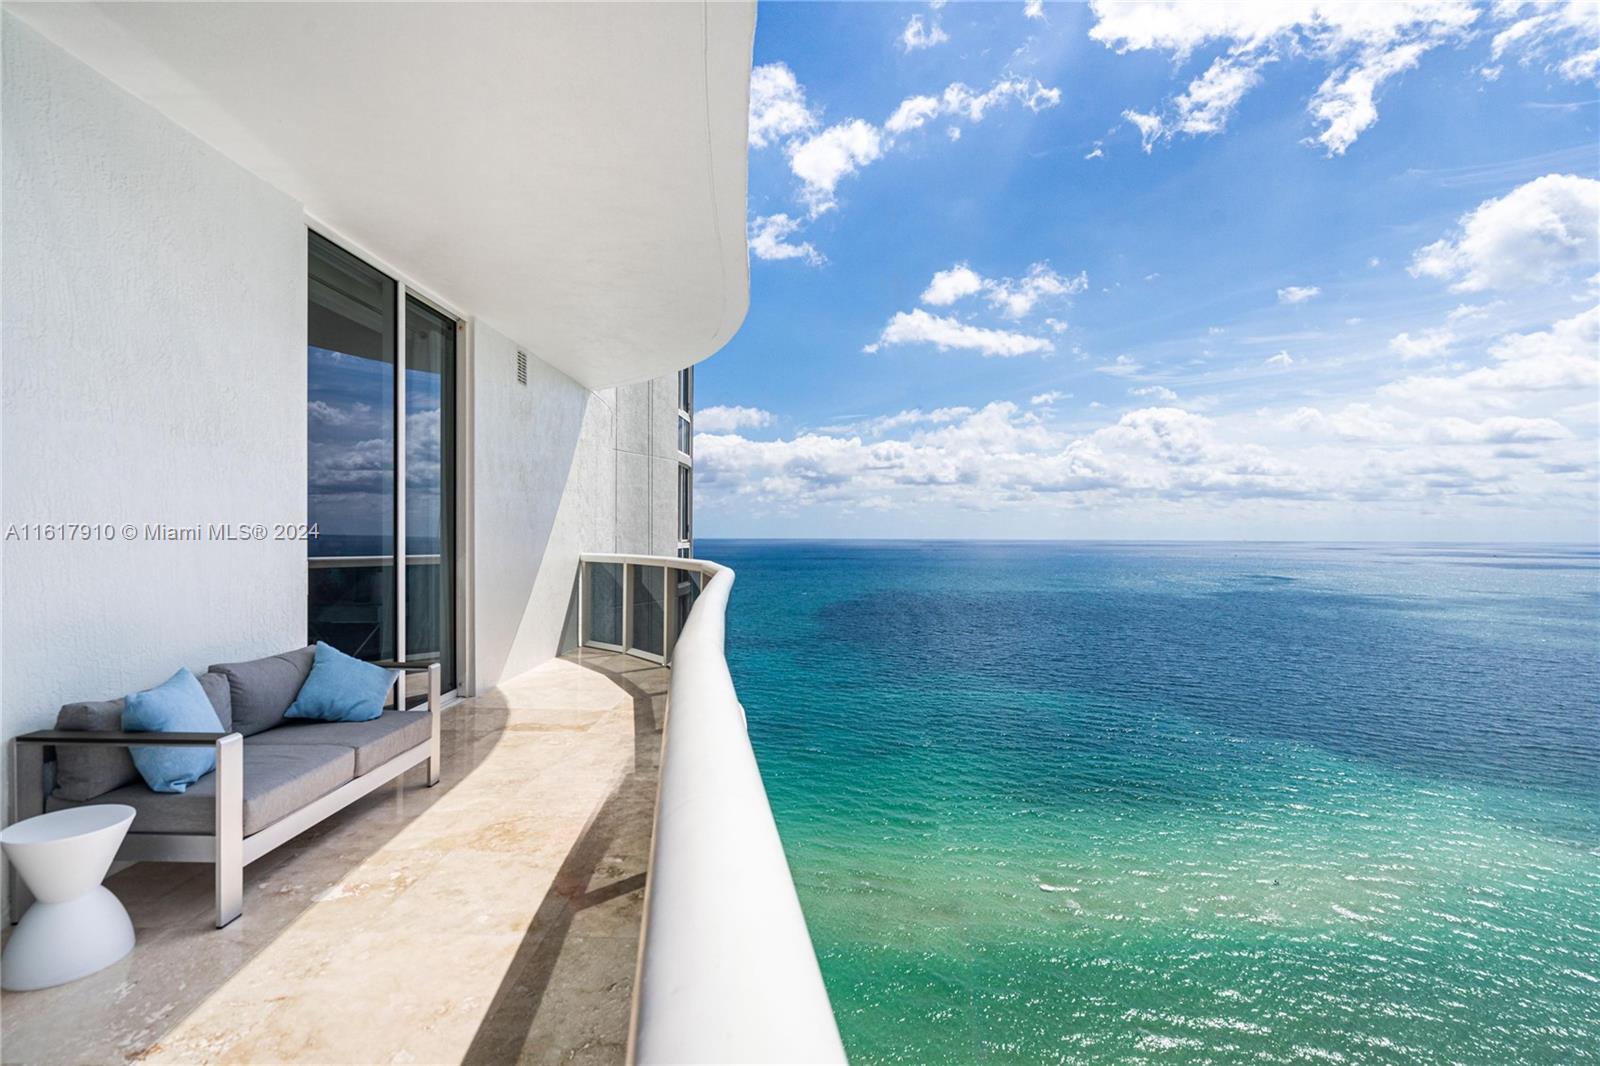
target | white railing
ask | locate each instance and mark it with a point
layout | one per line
(337, 562)
(727, 972)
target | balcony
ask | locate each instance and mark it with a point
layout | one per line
(504, 915)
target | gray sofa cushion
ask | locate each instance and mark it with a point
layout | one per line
(375, 742)
(262, 689)
(279, 779)
(84, 772)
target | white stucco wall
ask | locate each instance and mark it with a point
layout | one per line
(154, 371)
(558, 470)
(544, 488)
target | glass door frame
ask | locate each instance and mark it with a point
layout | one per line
(406, 288)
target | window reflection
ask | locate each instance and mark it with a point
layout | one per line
(350, 452)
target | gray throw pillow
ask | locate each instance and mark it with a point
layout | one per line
(85, 771)
(262, 689)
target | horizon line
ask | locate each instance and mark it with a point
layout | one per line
(1159, 540)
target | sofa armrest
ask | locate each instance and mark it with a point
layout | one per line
(119, 739)
(28, 795)
(435, 673)
(410, 666)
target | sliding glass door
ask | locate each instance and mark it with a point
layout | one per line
(376, 479)
(430, 463)
(350, 454)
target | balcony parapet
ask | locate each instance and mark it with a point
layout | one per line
(727, 971)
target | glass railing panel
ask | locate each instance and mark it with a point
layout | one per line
(604, 610)
(649, 610)
(685, 590)
(351, 604)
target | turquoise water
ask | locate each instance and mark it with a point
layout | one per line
(1186, 803)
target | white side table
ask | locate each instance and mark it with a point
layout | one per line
(76, 926)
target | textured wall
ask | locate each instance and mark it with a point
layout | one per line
(154, 371)
(544, 481)
(558, 471)
(647, 467)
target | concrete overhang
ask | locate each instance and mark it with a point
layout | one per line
(572, 174)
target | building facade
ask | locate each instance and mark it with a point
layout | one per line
(246, 355)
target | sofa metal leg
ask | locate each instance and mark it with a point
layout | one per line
(27, 800)
(435, 675)
(230, 828)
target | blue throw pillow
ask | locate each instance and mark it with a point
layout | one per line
(178, 706)
(341, 688)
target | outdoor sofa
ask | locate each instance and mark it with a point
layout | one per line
(275, 777)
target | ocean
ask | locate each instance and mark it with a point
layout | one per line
(1122, 802)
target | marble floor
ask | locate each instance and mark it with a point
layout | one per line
(492, 919)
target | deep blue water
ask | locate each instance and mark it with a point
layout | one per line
(1186, 802)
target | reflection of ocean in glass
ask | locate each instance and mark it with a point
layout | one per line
(1221, 802)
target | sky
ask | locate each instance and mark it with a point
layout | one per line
(1258, 271)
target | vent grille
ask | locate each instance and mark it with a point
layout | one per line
(522, 368)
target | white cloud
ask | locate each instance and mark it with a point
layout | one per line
(1033, 9)
(769, 239)
(1210, 100)
(948, 286)
(1000, 457)
(777, 105)
(1363, 44)
(1390, 425)
(1016, 297)
(919, 327)
(877, 427)
(1045, 399)
(1097, 153)
(1533, 235)
(1563, 38)
(913, 112)
(1150, 128)
(727, 419)
(960, 101)
(1155, 392)
(919, 35)
(1346, 103)
(1282, 359)
(340, 415)
(1298, 294)
(1564, 357)
(1425, 344)
(1469, 312)
(822, 159)
(1013, 297)
(992, 455)
(1121, 367)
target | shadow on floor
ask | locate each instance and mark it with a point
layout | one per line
(568, 994)
(180, 959)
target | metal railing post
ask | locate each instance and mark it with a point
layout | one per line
(669, 614)
(583, 603)
(627, 607)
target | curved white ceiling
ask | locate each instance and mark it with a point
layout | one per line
(572, 174)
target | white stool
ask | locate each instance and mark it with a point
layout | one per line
(76, 926)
